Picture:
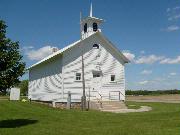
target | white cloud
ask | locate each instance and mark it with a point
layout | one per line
(171, 61)
(129, 55)
(172, 28)
(142, 52)
(173, 9)
(146, 72)
(157, 83)
(159, 79)
(38, 54)
(173, 13)
(174, 17)
(176, 8)
(25, 49)
(28, 47)
(168, 10)
(143, 82)
(173, 74)
(148, 59)
(177, 16)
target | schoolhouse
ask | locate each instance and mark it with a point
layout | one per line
(61, 72)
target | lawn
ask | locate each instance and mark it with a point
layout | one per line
(18, 118)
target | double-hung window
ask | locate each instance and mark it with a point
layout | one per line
(95, 75)
(78, 76)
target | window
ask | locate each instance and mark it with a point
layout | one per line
(96, 46)
(95, 27)
(96, 75)
(85, 27)
(112, 78)
(78, 76)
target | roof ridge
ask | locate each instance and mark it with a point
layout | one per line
(73, 44)
(54, 54)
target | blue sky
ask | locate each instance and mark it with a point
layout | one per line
(147, 31)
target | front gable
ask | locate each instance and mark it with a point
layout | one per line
(112, 49)
(102, 41)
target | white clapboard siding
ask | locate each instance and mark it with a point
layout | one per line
(110, 65)
(45, 81)
(51, 81)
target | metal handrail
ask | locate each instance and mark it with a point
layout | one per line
(98, 100)
(118, 92)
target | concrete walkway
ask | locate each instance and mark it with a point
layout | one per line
(142, 109)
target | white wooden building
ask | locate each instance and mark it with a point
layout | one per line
(51, 78)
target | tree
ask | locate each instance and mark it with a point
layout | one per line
(11, 65)
(24, 87)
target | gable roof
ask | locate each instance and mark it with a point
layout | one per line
(74, 44)
(114, 48)
(54, 54)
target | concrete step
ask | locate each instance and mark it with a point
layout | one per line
(111, 105)
(107, 105)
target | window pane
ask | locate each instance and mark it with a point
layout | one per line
(78, 76)
(85, 27)
(96, 46)
(112, 78)
(95, 26)
(96, 75)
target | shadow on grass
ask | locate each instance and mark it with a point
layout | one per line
(14, 123)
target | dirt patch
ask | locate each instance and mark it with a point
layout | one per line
(174, 98)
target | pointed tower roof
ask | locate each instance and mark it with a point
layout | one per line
(90, 17)
(90, 10)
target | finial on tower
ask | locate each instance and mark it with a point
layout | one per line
(91, 10)
(90, 24)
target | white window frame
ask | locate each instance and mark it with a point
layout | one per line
(95, 47)
(77, 76)
(96, 74)
(114, 78)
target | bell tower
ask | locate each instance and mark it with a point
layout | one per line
(90, 25)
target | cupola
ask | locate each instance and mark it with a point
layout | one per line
(90, 25)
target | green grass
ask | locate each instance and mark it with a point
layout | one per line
(17, 118)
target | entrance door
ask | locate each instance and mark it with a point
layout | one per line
(96, 84)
